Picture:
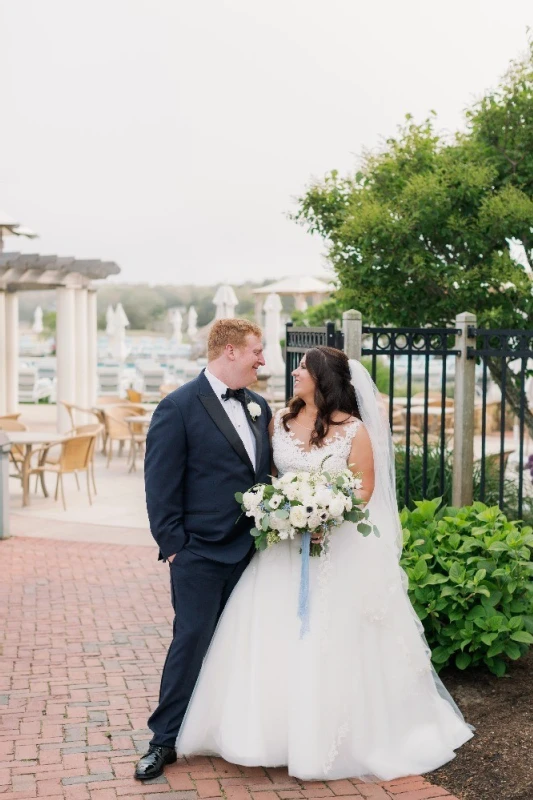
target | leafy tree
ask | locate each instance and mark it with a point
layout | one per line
(422, 230)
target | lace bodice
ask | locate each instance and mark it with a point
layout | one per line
(292, 455)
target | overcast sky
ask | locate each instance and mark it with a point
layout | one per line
(172, 136)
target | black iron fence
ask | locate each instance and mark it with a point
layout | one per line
(502, 414)
(415, 369)
(299, 340)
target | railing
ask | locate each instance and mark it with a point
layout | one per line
(436, 384)
(508, 353)
(400, 346)
(299, 340)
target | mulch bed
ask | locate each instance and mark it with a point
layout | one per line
(497, 763)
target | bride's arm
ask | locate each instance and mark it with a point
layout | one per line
(362, 460)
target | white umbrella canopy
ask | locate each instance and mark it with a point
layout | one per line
(120, 316)
(120, 321)
(192, 319)
(110, 321)
(177, 323)
(7, 222)
(10, 227)
(37, 326)
(225, 301)
(274, 363)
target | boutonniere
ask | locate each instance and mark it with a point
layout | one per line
(254, 410)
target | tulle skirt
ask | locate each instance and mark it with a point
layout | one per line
(355, 697)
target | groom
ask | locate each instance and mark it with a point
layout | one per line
(207, 440)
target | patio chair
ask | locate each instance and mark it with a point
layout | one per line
(16, 454)
(134, 396)
(53, 454)
(75, 456)
(10, 416)
(117, 430)
(72, 408)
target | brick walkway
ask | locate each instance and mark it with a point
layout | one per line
(81, 649)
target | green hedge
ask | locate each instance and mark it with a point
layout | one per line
(470, 580)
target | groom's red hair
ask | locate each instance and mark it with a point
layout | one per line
(229, 331)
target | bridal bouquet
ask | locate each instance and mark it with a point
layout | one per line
(305, 502)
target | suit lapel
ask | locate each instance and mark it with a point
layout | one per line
(256, 432)
(214, 408)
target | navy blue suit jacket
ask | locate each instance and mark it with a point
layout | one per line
(195, 462)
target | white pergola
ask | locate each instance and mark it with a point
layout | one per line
(76, 326)
(298, 287)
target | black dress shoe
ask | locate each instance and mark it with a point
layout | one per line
(153, 762)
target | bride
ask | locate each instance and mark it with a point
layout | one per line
(357, 695)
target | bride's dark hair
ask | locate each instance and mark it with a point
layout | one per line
(330, 370)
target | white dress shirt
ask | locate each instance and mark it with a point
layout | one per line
(236, 414)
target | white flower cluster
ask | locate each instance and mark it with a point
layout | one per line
(301, 501)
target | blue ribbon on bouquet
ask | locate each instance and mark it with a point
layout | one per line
(303, 600)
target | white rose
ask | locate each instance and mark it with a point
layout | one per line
(298, 517)
(275, 501)
(277, 523)
(323, 496)
(306, 494)
(291, 491)
(254, 409)
(283, 534)
(336, 507)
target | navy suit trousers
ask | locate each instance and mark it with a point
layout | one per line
(201, 587)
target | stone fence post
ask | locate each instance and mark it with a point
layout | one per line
(352, 326)
(463, 438)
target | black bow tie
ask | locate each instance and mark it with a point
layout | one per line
(237, 394)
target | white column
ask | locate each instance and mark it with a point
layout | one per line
(12, 351)
(92, 348)
(81, 360)
(3, 354)
(66, 354)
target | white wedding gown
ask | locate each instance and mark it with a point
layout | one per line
(357, 696)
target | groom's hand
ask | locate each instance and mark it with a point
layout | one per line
(170, 559)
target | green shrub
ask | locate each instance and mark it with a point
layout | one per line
(433, 487)
(382, 373)
(470, 573)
